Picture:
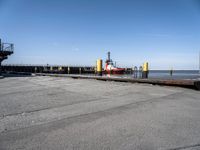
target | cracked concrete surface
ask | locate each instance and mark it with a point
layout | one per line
(63, 113)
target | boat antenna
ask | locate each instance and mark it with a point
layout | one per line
(108, 56)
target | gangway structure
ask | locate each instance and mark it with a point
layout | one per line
(6, 49)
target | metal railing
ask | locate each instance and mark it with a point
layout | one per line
(7, 47)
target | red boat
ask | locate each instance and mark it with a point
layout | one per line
(110, 68)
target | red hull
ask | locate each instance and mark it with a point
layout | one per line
(115, 71)
(110, 68)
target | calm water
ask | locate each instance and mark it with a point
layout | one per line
(164, 74)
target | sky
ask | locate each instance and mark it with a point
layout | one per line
(165, 33)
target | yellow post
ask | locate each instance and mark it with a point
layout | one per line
(145, 66)
(145, 70)
(99, 67)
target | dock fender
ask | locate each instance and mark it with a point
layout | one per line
(197, 85)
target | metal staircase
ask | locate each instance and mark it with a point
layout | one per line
(6, 49)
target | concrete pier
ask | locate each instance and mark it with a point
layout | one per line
(51, 113)
(49, 69)
(6, 49)
(194, 84)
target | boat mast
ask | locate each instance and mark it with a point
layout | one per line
(109, 56)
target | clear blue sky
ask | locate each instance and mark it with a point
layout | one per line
(166, 33)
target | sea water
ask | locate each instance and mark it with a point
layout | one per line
(165, 74)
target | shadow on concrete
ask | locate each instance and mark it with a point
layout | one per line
(15, 74)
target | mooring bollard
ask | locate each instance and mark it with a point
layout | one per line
(51, 69)
(145, 70)
(135, 72)
(68, 70)
(59, 68)
(99, 67)
(79, 70)
(171, 72)
(140, 71)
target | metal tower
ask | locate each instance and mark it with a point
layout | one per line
(6, 49)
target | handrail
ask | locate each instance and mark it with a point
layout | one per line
(7, 47)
